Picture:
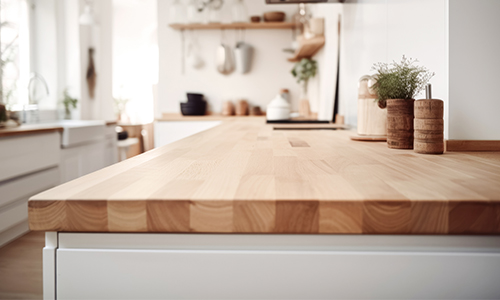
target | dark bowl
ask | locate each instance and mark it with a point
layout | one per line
(255, 19)
(194, 108)
(194, 97)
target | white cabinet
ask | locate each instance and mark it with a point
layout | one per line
(169, 132)
(20, 155)
(89, 155)
(197, 266)
(32, 163)
(28, 165)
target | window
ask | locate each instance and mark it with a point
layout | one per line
(135, 57)
(15, 53)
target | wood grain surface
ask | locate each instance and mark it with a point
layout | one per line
(244, 25)
(244, 177)
(400, 123)
(29, 129)
(429, 126)
(472, 145)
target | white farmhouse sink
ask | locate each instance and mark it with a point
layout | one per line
(81, 131)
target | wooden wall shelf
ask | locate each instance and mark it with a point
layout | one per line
(262, 25)
(308, 48)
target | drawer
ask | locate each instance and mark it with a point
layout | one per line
(27, 186)
(27, 154)
(253, 274)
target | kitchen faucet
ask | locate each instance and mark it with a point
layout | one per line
(33, 102)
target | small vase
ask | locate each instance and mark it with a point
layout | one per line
(177, 13)
(400, 123)
(193, 15)
(304, 105)
(67, 114)
(239, 12)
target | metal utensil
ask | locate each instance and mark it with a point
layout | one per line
(225, 58)
(243, 53)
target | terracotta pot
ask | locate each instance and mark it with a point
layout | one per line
(400, 123)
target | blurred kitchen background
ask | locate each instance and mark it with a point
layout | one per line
(74, 72)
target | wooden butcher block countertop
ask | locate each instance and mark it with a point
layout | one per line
(244, 177)
(29, 129)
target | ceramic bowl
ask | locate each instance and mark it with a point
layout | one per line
(194, 109)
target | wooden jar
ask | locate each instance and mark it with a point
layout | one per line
(227, 108)
(400, 123)
(241, 108)
(429, 126)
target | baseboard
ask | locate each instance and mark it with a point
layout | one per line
(472, 145)
(13, 232)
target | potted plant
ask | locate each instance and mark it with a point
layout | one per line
(303, 71)
(396, 87)
(69, 104)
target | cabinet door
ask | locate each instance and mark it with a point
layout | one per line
(85, 159)
(14, 196)
(21, 155)
(231, 274)
(169, 132)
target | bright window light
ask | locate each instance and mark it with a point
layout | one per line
(135, 57)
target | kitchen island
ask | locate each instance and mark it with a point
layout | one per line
(245, 211)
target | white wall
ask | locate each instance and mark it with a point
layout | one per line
(474, 61)
(45, 54)
(322, 87)
(60, 55)
(457, 39)
(385, 30)
(100, 38)
(270, 71)
(68, 50)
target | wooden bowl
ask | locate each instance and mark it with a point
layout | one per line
(255, 19)
(274, 16)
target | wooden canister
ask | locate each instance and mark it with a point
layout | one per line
(242, 108)
(255, 111)
(227, 108)
(429, 126)
(400, 123)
